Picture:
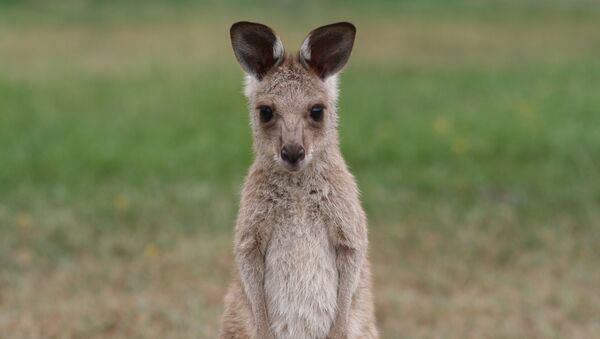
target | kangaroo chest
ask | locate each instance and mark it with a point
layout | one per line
(301, 277)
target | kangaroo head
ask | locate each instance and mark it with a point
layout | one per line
(292, 99)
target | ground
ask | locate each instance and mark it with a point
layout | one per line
(472, 127)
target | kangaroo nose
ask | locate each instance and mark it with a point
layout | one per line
(292, 153)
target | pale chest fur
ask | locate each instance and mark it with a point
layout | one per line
(301, 277)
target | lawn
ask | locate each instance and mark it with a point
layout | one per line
(473, 128)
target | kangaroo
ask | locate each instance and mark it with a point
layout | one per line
(301, 234)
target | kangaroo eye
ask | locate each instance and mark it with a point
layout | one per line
(266, 113)
(316, 112)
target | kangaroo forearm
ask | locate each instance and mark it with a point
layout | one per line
(349, 263)
(252, 274)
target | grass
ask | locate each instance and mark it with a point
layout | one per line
(472, 128)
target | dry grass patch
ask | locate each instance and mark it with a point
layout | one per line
(173, 292)
(52, 47)
(427, 284)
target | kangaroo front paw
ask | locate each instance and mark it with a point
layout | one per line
(338, 332)
(264, 334)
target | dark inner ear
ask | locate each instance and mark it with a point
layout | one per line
(329, 48)
(255, 47)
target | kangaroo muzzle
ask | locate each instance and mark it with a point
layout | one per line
(292, 153)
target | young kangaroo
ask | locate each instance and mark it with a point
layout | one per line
(301, 234)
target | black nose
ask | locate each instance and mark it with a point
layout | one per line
(292, 153)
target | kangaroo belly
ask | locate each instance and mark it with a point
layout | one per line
(300, 282)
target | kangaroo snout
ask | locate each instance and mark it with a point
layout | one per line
(292, 153)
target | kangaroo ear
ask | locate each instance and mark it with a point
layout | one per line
(326, 50)
(256, 47)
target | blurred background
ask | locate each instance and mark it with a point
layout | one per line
(473, 128)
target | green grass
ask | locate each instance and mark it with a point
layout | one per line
(472, 128)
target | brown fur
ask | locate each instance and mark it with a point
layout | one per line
(301, 234)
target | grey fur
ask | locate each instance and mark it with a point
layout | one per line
(301, 233)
